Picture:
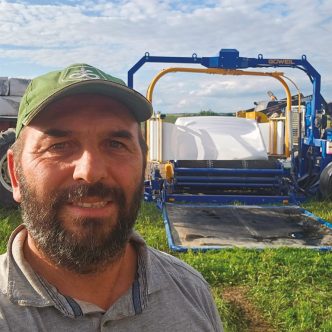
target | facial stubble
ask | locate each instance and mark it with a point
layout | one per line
(99, 242)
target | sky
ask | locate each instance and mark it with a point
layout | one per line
(39, 36)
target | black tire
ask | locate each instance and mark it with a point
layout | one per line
(7, 138)
(325, 183)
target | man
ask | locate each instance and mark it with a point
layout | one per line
(77, 170)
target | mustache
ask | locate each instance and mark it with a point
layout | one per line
(79, 191)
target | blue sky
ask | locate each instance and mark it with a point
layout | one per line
(38, 36)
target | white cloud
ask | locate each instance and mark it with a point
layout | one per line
(115, 34)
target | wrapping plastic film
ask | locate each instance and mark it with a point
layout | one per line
(11, 92)
(209, 138)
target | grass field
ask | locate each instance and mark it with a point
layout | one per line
(267, 290)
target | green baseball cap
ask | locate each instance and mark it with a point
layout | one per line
(78, 79)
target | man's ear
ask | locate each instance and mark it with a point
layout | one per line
(12, 169)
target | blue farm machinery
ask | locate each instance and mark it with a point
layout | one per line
(224, 181)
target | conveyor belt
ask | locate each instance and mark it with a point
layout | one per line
(202, 226)
(229, 177)
(244, 164)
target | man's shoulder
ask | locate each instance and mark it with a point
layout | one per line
(182, 292)
(3, 272)
(164, 263)
(3, 259)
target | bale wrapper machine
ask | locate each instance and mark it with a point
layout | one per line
(237, 181)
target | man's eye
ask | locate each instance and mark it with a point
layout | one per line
(59, 146)
(115, 144)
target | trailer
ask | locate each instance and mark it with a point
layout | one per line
(238, 181)
(11, 92)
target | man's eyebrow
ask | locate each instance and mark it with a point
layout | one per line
(53, 132)
(121, 134)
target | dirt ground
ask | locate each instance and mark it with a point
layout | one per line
(236, 296)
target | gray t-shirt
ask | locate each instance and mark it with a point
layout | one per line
(167, 295)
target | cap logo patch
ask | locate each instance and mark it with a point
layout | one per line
(81, 72)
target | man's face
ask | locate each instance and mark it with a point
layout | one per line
(80, 181)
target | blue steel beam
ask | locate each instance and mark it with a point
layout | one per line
(227, 185)
(230, 59)
(225, 179)
(268, 171)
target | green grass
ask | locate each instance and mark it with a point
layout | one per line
(289, 289)
(9, 219)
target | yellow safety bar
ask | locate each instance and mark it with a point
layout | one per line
(169, 172)
(297, 89)
(219, 71)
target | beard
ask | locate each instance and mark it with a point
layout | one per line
(100, 242)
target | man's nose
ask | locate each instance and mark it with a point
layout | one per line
(90, 167)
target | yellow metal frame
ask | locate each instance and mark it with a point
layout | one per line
(254, 115)
(235, 72)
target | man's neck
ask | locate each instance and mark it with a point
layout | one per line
(101, 288)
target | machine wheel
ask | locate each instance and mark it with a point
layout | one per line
(7, 138)
(325, 182)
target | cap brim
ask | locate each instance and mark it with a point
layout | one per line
(136, 103)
